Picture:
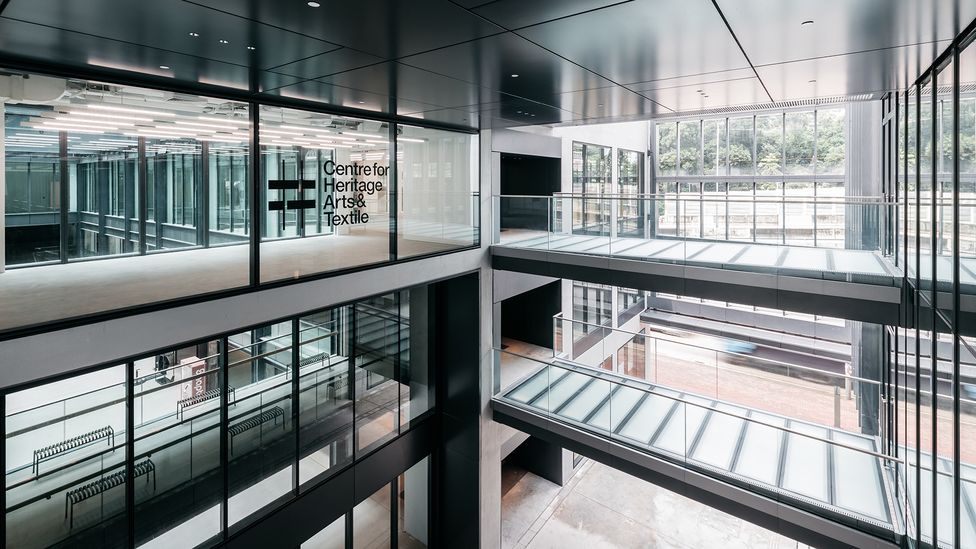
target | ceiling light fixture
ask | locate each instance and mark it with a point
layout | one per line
(195, 34)
(100, 107)
(222, 41)
(313, 4)
(812, 81)
(252, 48)
(366, 135)
(514, 76)
(806, 23)
(164, 67)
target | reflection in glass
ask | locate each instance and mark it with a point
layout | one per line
(260, 431)
(437, 191)
(325, 192)
(325, 394)
(64, 458)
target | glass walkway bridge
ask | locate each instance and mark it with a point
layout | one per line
(830, 472)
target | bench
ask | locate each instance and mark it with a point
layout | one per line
(271, 414)
(185, 403)
(67, 445)
(92, 489)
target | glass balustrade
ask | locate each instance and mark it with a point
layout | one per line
(819, 468)
(832, 238)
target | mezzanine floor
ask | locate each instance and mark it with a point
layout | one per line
(36, 295)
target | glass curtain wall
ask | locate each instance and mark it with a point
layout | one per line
(223, 429)
(121, 172)
(933, 359)
(769, 178)
(631, 216)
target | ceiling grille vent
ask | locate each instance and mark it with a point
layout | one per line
(773, 106)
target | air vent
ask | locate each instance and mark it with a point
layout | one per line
(772, 106)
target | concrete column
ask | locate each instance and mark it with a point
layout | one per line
(3, 188)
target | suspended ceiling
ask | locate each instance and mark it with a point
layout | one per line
(454, 62)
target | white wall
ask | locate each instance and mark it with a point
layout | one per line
(633, 136)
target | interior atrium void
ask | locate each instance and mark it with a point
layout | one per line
(493, 274)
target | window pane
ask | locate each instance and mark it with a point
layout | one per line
(260, 433)
(667, 148)
(831, 155)
(177, 419)
(72, 492)
(413, 488)
(325, 394)
(714, 147)
(437, 191)
(332, 536)
(326, 192)
(799, 142)
(740, 146)
(371, 521)
(690, 147)
(377, 351)
(769, 144)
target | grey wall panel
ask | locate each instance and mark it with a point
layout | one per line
(517, 142)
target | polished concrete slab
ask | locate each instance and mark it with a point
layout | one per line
(601, 507)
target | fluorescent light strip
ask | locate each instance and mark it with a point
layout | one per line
(73, 129)
(279, 132)
(224, 127)
(377, 142)
(113, 108)
(410, 140)
(109, 116)
(368, 135)
(82, 122)
(219, 138)
(218, 119)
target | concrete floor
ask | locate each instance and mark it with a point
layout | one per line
(601, 507)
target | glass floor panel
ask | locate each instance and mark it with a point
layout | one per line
(639, 413)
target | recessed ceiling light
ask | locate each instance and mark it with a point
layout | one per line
(806, 23)
(314, 4)
(514, 76)
(252, 48)
(222, 41)
(362, 102)
(164, 67)
(195, 34)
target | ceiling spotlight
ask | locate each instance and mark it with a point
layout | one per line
(164, 67)
(222, 41)
(252, 48)
(313, 4)
(195, 34)
(806, 23)
(514, 76)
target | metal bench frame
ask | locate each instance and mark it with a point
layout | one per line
(54, 450)
(97, 487)
(246, 425)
